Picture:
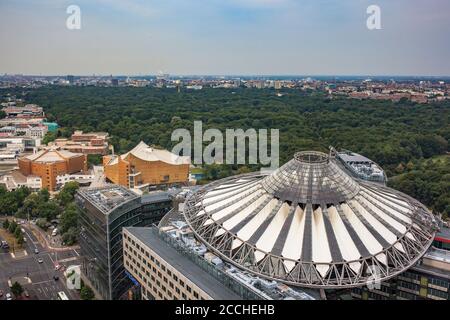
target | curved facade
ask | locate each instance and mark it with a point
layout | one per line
(311, 224)
(145, 165)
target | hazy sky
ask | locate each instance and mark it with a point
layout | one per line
(317, 37)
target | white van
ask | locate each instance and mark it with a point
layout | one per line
(54, 232)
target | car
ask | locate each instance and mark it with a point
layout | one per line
(26, 294)
(40, 260)
(36, 251)
(57, 267)
(24, 239)
(8, 296)
(56, 278)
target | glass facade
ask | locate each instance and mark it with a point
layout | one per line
(101, 239)
(413, 284)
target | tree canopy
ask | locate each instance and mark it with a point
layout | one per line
(393, 134)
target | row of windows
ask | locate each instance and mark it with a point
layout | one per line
(439, 282)
(408, 285)
(141, 262)
(438, 293)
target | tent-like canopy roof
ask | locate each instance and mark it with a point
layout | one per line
(311, 224)
(147, 153)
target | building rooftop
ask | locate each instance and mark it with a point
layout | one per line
(184, 265)
(361, 167)
(176, 232)
(107, 198)
(158, 196)
(444, 233)
(147, 153)
(51, 155)
(309, 219)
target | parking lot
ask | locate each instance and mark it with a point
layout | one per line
(36, 271)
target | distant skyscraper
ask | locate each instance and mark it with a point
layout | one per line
(71, 79)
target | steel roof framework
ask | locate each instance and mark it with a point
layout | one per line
(305, 182)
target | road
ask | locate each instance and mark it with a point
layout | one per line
(42, 286)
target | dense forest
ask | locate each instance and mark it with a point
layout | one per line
(399, 136)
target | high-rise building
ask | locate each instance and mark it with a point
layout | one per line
(144, 166)
(104, 212)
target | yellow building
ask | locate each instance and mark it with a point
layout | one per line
(50, 163)
(146, 166)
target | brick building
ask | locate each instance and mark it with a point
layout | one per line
(86, 143)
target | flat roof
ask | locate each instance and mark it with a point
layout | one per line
(107, 198)
(353, 157)
(158, 196)
(183, 264)
(444, 232)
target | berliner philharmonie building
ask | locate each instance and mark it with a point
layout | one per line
(320, 223)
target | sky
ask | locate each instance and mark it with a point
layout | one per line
(225, 37)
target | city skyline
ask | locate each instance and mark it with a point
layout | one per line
(251, 37)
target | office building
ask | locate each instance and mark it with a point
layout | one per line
(169, 263)
(429, 279)
(164, 273)
(103, 213)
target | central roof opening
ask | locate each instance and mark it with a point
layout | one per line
(311, 157)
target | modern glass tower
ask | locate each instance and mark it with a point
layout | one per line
(103, 213)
